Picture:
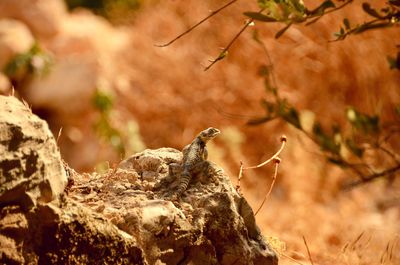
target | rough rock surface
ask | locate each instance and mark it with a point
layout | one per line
(124, 216)
(210, 224)
(30, 165)
(38, 224)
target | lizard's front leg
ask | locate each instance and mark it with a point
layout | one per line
(174, 170)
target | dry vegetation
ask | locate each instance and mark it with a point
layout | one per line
(172, 98)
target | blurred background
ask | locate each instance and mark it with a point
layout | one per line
(93, 71)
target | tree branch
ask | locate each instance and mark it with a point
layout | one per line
(213, 13)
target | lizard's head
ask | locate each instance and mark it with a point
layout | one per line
(209, 134)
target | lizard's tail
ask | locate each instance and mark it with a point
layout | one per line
(184, 182)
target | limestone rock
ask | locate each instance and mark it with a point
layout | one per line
(31, 169)
(5, 85)
(63, 233)
(15, 38)
(68, 88)
(38, 223)
(125, 216)
(42, 16)
(210, 224)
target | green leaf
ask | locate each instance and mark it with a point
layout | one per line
(263, 3)
(326, 142)
(298, 5)
(259, 17)
(346, 23)
(337, 161)
(370, 11)
(283, 30)
(394, 62)
(289, 114)
(102, 101)
(363, 122)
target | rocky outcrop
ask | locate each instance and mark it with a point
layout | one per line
(124, 216)
(38, 223)
(210, 224)
(31, 169)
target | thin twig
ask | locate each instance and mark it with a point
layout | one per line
(354, 30)
(224, 51)
(283, 141)
(290, 258)
(372, 177)
(59, 134)
(277, 161)
(353, 244)
(326, 12)
(390, 153)
(232, 115)
(308, 251)
(213, 13)
(270, 64)
(239, 177)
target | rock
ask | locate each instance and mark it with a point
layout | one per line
(38, 223)
(5, 85)
(210, 224)
(42, 16)
(71, 80)
(124, 216)
(15, 38)
(31, 169)
(84, 61)
(63, 233)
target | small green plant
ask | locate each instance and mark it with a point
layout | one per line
(124, 138)
(35, 61)
(103, 102)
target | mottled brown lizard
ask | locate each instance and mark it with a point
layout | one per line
(194, 159)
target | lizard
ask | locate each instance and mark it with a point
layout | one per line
(194, 159)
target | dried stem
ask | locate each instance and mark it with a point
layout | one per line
(239, 177)
(283, 140)
(59, 134)
(277, 161)
(213, 13)
(308, 251)
(291, 259)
